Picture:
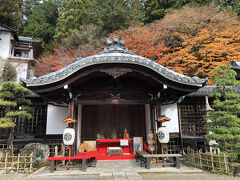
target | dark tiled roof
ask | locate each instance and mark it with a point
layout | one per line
(235, 65)
(116, 53)
(205, 91)
(27, 39)
(19, 38)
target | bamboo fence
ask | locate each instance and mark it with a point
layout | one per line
(208, 160)
(16, 163)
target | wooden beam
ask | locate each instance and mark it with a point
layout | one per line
(111, 91)
(121, 101)
(109, 101)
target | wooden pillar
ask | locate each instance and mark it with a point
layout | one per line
(147, 118)
(72, 125)
(79, 125)
(180, 125)
(158, 115)
(75, 126)
(155, 117)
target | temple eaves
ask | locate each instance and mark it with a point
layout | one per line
(116, 53)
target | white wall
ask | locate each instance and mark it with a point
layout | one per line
(5, 44)
(171, 111)
(31, 54)
(55, 115)
(21, 68)
(2, 62)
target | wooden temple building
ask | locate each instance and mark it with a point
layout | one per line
(110, 91)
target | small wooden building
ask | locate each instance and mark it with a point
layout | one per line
(111, 91)
(21, 52)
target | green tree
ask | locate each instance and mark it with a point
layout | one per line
(119, 14)
(41, 22)
(11, 13)
(110, 15)
(72, 15)
(28, 7)
(9, 72)
(233, 5)
(224, 122)
(15, 105)
(156, 9)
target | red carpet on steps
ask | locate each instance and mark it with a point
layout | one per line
(121, 157)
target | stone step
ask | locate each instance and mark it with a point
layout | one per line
(119, 176)
(106, 176)
(133, 176)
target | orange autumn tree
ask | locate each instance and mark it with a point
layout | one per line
(191, 40)
(60, 59)
(205, 51)
(143, 42)
(213, 41)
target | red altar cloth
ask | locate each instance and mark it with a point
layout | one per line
(102, 145)
(82, 155)
(101, 152)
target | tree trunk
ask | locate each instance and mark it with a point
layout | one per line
(10, 142)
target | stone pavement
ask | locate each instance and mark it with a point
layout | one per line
(116, 166)
(129, 176)
(111, 170)
(120, 176)
(118, 170)
(186, 176)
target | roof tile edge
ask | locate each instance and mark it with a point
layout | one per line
(116, 53)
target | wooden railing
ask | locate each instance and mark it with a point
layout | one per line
(16, 163)
(208, 160)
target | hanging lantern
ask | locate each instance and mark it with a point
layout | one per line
(163, 135)
(68, 136)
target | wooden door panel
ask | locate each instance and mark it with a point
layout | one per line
(108, 118)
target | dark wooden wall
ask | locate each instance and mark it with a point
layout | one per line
(34, 127)
(192, 116)
(109, 118)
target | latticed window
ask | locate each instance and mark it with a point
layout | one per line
(36, 126)
(192, 116)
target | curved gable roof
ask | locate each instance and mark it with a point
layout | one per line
(115, 54)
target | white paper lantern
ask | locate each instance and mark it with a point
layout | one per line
(163, 135)
(68, 136)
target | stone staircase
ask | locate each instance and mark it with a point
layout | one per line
(120, 176)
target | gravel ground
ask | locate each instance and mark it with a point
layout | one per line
(202, 176)
(27, 177)
(145, 176)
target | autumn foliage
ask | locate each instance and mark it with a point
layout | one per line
(191, 41)
(60, 59)
(208, 38)
(81, 43)
(144, 42)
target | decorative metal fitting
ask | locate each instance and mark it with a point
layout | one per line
(115, 40)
